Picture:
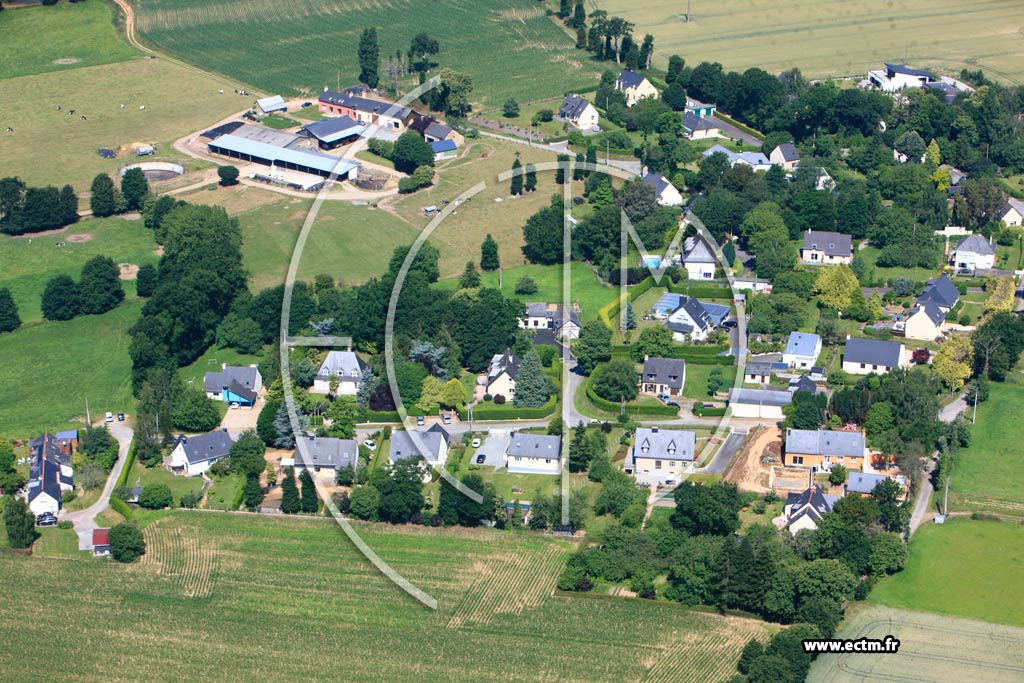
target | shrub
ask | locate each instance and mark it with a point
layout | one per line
(526, 285)
(499, 399)
(228, 175)
(156, 497)
(126, 542)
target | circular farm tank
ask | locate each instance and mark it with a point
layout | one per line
(156, 170)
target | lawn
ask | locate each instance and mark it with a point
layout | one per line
(87, 37)
(218, 578)
(826, 39)
(284, 47)
(367, 155)
(279, 122)
(988, 473)
(222, 495)
(212, 361)
(57, 543)
(51, 368)
(696, 386)
(917, 274)
(962, 568)
(26, 267)
(141, 476)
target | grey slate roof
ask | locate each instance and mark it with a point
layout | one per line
(693, 122)
(802, 344)
(758, 368)
(523, 445)
(940, 290)
(317, 451)
(1013, 203)
(572, 107)
(667, 371)
(628, 79)
(976, 244)
(862, 482)
(437, 130)
(346, 365)
(872, 352)
(403, 447)
(364, 104)
(46, 447)
(803, 383)
(503, 362)
(657, 181)
(767, 397)
(810, 503)
(243, 376)
(832, 243)
(48, 481)
(664, 444)
(693, 310)
(789, 152)
(930, 309)
(541, 310)
(329, 130)
(205, 447)
(696, 250)
(904, 69)
(824, 442)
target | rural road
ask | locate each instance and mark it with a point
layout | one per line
(735, 132)
(85, 520)
(950, 412)
(922, 511)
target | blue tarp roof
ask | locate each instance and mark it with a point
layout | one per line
(321, 162)
(443, 146)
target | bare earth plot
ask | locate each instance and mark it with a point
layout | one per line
(933, 649)
(835, 37)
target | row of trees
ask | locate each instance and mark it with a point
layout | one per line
(106, 199)
(25, 209)
(97, 291)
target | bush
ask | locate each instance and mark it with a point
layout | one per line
(421, 177)
(126, 542)
(228, 175)
(544, 115)
(526, 285)
(499, 400)
(65, 524)
(156, 497)
(121, 508)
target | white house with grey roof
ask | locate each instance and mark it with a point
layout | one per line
(324, 456)
(502, 373)
(786, 156)
(234, 384)
(661, 453)
(579, 112)
(802, 350)
(663, 376)
(346, 366)
(665, 192)
(430, 445)
(1012, 212)
(973, 253)
(193, 455)
(541, 316)
(822, 449)
(698, 258)
(635, 87)
(805, 510)
(896, 77)
(533, 453)
(760, 403)
(755, 160)
(925, 321)
(866, 356)
(825, 248)
(699, 128)
(690, 321)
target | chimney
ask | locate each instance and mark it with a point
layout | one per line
(654, 430)
(223, 366)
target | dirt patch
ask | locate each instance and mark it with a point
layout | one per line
(135, 216)
(129, 271)
(747, 470)
(81, 237)
(64, 61)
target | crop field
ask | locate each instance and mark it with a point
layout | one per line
(835, 38)
(962, 568)
(236, 597)
(508, 47)
(933, 649)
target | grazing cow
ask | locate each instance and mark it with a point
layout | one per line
(71, 112)
(9, 129)
(58, 107)
(142, 107)
(122, 106)
(83, 118)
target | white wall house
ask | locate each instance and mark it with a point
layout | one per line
(973, 253)
(635, 87)
(802, 350)
(664, 191)
(786, 156)
(699, 259)
(822, 248)
(895, 77)
(760, 403)
(690, 321)
(346, 366)
(193, 455)
(534, 453)
(1013, 212)
(661, 454)
(866, 356)
(430, 446)
(542, 316)
(579, 112)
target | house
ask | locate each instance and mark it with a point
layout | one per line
(925, 322)
(324, 456)
(670, 302)
(663, 376)
(579, 112)
(941, 291)
(786, 156)
(431, 445)
(433, 130)
(820, 449)
(269, 105)
(1012, 212)
(803, 383)
(690, 321)
(756, 160)
(699, 128)
(661, 453)
(896, 77)
(233, 384)
(699, 258)
(665, 192)
(802, 350)
(635, 87)
(43, 491)
(67, 441)
(760, 403)
(753, 284)
(863, 482)
(393, 118)
(193, 455)
(826, 248)
(347, 367)
(44, 450)
(824, 181)
(758, 372)
(541, 316)
(864, 356)
(100, 542)
(331, 133)
(698, 108)
(534, 453)
(973, 253)
(444, 149)
(501, 375)
(805, 510)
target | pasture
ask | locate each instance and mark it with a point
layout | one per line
(229, 590)
(508, 47)
(962, 568)
(830, 39)
(933, 649)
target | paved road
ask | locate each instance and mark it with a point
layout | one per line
(85, 520)
(725, 454)
(735, 132)
(950, 412)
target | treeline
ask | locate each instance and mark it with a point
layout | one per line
(607, 37)
(97, 291)
(106, 199)
(25, 209)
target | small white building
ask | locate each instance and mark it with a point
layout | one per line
(542, 316)
(759, 403)
(270, 105)
(346, 366)
(755, 160)
(579, 112)
(534, 453)
(664, 454)
(805, 510)
(665, 192)
(973, 253)
(193, 455)
(699, 128)
(635, 87)
(802, 350)
(866, 356)
(430, 446)
(896, 77)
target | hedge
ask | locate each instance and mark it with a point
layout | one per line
(612, 309)
(631, 409)
(380, 416)
(237, 502)
(708, 412)
(122, 480)
(700, 291)
(121, 507)
(490, 411)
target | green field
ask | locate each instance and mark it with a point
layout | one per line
(508, 47)
(141, 477)
(238, 597)
(964, 569)
(51, 368)
(834, 38)
(87, 38)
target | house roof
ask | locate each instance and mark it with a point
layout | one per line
(690, 313)
(244, 376)
(506, 362)
(205, 447)
(572, 107)
(767, 397)
(872, 352)
(941, 291)
(863, 482)
(803, 383)
(403, 447)
(317, 451)
(832, 243)
(692, 122)
(929, 309)
(437, 130)
(551, 312)
(274, 103)
(364, 104)
(788, 151)
(696, 104)
(345, 365)
(436, 428)
(46, 447)
(1015, 204)
(976, 244)
(657, 181)
(906, 70)
(803, 344)
(759, 368)
(331, 130)
(824, 442)
(664, 444)
(274, 154)
(524, 445)
(443, 146)
(100, 537)
(749, 158)
(629, 79)
(67, 434)
(243, 392)
(811, 503)
(667, 371)
(696, 250)
(716, 312)
(47, 480)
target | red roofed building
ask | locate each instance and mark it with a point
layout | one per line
(100, 542)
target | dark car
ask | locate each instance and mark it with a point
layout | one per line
(481, 458)
(307, 104)
(120, 417)
(46, 520)
(729, 324)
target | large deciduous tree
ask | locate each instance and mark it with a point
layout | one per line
(593, 347)
(100, 285)
(411, 151)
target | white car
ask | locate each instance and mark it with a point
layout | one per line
(370, 443)
(475, 443)
(109, 417)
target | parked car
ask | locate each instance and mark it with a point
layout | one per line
(728, 324)
(475, 443)
(307, 104)
(120, 417)
(481, 458)
(109, 417)
(370, 443)
(420, 420)
(46, 520)
(594, 422)
(446, 418)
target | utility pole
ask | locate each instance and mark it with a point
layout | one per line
(88, 417)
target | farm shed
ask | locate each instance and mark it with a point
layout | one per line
(293, 159)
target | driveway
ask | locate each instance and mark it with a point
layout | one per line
(725, 453)
(733, 131)
(493, 447)
(238, 420)
(84, 520)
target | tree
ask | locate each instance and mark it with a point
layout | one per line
(20, 524)
(628, 317)
(156, 497)
(470, 278)
(594, 346)
(10, 479)
(228, 175)
(933, 155)
(532, 386)
(12, 197)
(126, 542)
(770, 669)
(452, 95)
(146, 280)
(290, 502)
(888, 554)
(655, 342)
(247, 454)
(837, 287)
(364, 502)
(516, 181)
(615, 380)
(252, 492)
(542, 234)
(103, 200)
(893, 514)
(510, 109)
(837, 477)
(411, 151)
(401, 491)
(526, 285)
(61, 299)
(194, 412)
(369, 57)
(134, 188)
(309, 502)
(100, 285)
(9, 318)
(579, 450)
(707, 509)
(767, 239)
(282, 427)
(100, 446)
(421, 48)
(454, 507)
(454, 395)
(954, 361)
(530, 179)
(431, 395)
(489, 254)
